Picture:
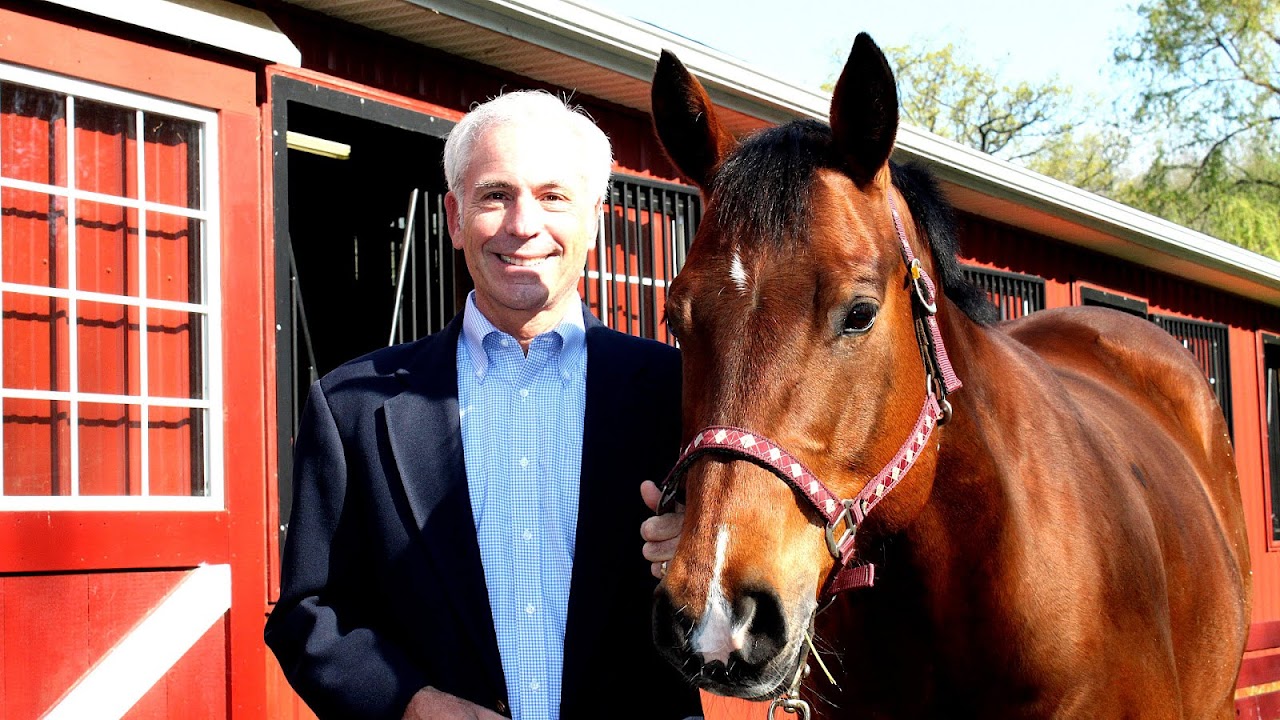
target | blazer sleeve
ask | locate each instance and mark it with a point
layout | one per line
(322, 629)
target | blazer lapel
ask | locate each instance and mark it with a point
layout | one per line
(426, 441)
(600, 499)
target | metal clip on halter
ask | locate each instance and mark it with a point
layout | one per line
(850, 529)
(793, 706)
(922, 291)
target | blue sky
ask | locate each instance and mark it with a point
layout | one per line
(800, 40)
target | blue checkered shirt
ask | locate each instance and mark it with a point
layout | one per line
(522, 444)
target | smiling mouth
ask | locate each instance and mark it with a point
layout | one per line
(524, 262)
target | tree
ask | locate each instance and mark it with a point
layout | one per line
(1211, 76)
(943, 92)
(1036, 124)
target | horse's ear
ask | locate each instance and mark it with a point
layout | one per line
(686, 121)
(864, 110)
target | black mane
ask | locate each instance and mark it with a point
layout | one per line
(763, 191)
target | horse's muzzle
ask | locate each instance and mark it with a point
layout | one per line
(754, 664)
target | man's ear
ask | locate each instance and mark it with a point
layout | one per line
(453, 215)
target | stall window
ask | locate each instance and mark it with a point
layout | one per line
(1015, 294)
(109, 279)
(648, 226)
(1271, 364)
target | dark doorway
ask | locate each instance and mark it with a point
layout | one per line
(363, 257)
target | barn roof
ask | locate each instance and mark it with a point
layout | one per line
(575, 45)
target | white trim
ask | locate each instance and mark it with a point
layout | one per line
(106, 399)
(627, 279)
(130, 300)
(131, 668)
(210, 22)
(205, 314)
(100, 198)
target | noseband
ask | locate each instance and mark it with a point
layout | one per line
(843, 517)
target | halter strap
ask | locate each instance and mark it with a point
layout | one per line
(843, 517)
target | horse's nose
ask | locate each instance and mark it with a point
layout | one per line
(753, 629)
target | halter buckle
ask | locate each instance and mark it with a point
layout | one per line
(922, 290)
(794, 706)
(851, 529)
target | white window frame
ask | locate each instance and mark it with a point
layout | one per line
(210, 310)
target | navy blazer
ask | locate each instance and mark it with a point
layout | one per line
(382, 590)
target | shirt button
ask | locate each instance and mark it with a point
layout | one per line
(524, 462)
(524, 392)
(534, 685)
(530, 609)
(506, 342)
(528, 534)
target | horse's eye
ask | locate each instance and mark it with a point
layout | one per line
(860, 318)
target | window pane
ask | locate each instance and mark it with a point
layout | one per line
(106, 251)
(110, 448)
(173, 160)
(108, 337)
(35, 343)
(37, 447)
(173, 354)
(106, 159)
(177, 440)
(173, 258)
(33, 236)
(33, 135)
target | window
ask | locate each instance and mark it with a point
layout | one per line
(1271, 365)
(648, 226)
(1014, 294)
(1207, 341)
(109, 283)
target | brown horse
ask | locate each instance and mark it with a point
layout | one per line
(1060, 537)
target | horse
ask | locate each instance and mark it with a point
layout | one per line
(898, 507)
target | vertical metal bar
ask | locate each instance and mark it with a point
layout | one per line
(406, 245)
(626, 252)
(602, 294)
(642, 246)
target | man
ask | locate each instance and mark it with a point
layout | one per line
(462, 543)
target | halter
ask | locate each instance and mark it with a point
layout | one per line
(844, 517)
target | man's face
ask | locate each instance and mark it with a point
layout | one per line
(523, 217)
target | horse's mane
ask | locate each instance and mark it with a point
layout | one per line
(763, 191)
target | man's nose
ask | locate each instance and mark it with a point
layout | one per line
(524, 217)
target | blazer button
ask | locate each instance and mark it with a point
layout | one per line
(501, 706)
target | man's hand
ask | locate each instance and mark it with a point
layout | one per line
(661, 532)
(431, 704)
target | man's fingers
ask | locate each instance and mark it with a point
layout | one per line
(650, 493)
(662, 527)
(660, 551)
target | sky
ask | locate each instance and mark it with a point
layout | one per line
(800, 40)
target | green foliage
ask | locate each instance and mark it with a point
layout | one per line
(1211, 73)
(942, 91)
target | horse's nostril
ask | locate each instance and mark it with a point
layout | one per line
(760, 612)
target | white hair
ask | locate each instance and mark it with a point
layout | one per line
(528, 106)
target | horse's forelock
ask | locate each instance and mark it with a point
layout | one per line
(763, 192)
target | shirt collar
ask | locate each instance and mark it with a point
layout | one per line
(572, 331)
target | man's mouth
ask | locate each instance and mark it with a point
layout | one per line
(524, 262)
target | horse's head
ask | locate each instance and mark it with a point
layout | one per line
(795, 315)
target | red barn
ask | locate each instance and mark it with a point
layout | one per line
(204, 205)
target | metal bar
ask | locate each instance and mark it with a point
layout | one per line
(406, 244)
(626, 253)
